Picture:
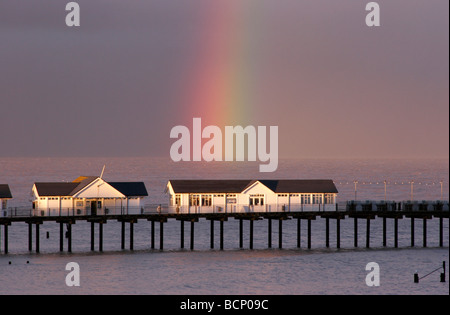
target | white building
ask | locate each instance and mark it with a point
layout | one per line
(215, 196)
(5, 195)
(88, 195)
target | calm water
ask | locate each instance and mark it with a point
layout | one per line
(290, 270)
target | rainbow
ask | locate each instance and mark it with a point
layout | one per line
(221, 90)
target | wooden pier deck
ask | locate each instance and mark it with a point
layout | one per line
(162, 218)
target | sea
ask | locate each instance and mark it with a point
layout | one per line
(289, 271)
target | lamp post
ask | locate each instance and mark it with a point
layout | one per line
(412, 190)
(356, 183)
(442, 190)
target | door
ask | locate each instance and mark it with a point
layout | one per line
(94, 207)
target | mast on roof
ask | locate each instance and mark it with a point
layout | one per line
(101, 175)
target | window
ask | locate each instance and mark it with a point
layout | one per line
(329, 198)
(317, 199)
(177, 200)
(306, 199)
(257, 200)
(194, 200)
(206, 200)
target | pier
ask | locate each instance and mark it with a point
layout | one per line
(161, 215)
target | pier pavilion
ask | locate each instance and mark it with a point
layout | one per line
(5, 195)
(231, 196)
(88, 195)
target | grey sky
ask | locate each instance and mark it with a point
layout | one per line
(116, 85)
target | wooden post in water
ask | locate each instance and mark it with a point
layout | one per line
(92, 235)
(37, 238)
(212, 234)
(309, 233)
(298, 232)
(182, 233)
(412, 231)
(384, 232)
(69, 235)
(30, 236)
(251, 233)
(280, 233)
(161, 234)
(192, 234)
(241, 239)
(122, 243)
(355, 237)
(269, 233)
(441, 231)
(100, 237)
(131, 235)
(61, 236)
(367, 232)
(395, 232)
(338, 233)
(327, 232)
(5, 240)
(221, 234)
(152, 236)
(424, 232)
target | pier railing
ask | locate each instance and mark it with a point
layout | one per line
(348, 206)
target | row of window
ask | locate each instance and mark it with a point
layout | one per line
(254, 200)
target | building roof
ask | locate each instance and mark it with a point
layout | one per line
(130, 188)
(209, 186)
(237, 186)
(5, 193)
(71, 188)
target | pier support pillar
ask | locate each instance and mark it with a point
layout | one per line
(221, 234)
(367, 232)
(5, 239)
(280, 233)
(298, 232)
(327, 232)
(192, 235)
(309, 233)
(152, 241)
(241, 238)
(161, 234)
(441, 232)
(212, 234)
(37, 238)
(69, 236)
(122, 243)
(181, 233)
(61, 236)
(251, 234)
(395, 232)
(338, 233)
(30, 236)
(412, 231)
(424, 232)
(355, 237)
(92, 235)
(269, 233)
(131, 235)
(384, 232)
(100, 236)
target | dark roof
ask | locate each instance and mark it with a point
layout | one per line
(237, 186)
(55, 189)
(4, 191)
(301, 186)
(130, 188)
(71, 188)
(209, 186)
